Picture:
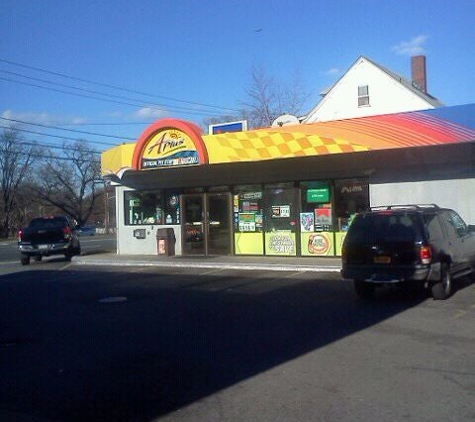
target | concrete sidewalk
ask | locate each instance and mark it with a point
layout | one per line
(323, 264)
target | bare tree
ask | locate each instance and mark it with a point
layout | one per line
(70, 181)
(266, 99)
(15, 161)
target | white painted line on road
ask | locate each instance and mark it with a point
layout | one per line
(9, 262)
(65, 266)
(460, 314)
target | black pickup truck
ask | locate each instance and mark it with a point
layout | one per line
(47, 236)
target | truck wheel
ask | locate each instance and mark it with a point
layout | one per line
(69, 253)
(25, 259)
(363, 289)
(441, 289)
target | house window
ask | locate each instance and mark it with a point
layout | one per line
(363, 96)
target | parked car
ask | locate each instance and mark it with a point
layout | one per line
(87, 231)
(408, 245)
(45, 236)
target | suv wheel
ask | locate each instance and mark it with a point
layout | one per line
(69, 254)
(363, 289)
(25, 259)
(441, 289)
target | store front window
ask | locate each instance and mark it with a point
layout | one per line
(351, 196)
(143, 207)
(248, 212)
(280, 219)
(316, 219)
(152, 207)
(171, 207)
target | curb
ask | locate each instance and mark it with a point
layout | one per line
(208, 265)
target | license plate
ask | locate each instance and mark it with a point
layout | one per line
(42, 246)
(383, 259)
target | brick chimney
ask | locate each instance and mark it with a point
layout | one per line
(419, 77)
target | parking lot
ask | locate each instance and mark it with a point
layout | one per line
(82, 343)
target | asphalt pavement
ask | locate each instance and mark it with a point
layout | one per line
(125, 342)
(140, 344)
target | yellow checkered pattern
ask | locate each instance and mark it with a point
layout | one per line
(245, 146)
(266, 145)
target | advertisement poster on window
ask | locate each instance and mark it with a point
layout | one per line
(280, 243)
(250, 206)
(249, 243)
(280, 211)
(247, 222)
(307, 222)
(259, 221)
(323, 219)
(317, 244)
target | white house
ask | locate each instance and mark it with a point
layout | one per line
(369, 89)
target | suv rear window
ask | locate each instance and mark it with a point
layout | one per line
(370, 228)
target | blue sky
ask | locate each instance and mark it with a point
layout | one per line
(189, 55)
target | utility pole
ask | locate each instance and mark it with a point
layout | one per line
(106, 206)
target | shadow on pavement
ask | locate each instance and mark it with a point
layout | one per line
(163, 340)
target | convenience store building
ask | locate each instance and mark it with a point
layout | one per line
(288, 190)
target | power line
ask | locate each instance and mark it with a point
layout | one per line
(64, 148)
(40, 144)
(91, 97)
(35, 155)
(117, 87)
(108, 124)
(139, 102)
(55, 136)
(68, 130)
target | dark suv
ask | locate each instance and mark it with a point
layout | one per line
(408, 244)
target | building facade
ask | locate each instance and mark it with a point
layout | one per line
(285, 191)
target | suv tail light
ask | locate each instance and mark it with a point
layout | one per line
(67, 232)
(426, 254)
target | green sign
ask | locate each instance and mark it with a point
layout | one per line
(321, 195)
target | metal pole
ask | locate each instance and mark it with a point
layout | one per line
(106, 208)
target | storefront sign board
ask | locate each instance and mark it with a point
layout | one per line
(320, 195)
(170, 143)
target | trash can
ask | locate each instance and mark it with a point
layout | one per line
(166, 242)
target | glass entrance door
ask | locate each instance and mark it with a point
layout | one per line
(193, 225)
(219, 224)
(207, 224)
